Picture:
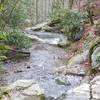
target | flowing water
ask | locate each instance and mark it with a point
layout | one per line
(40, 67)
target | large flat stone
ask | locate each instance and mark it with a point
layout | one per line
(81, 92)
(48, 37)
(23, 90)
(96, 88)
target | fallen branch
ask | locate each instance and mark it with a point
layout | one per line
(75, 74)
(21, 52)
(17, 54)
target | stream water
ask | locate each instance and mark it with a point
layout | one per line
(40, 67)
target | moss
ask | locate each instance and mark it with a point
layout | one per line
(98, 27)
(4, 91)
(93, 46)
(42, 97)
(0, 98)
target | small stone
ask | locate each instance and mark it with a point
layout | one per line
(60, 81)
(28, 67)
(18, 71)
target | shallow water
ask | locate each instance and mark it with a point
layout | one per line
(40, 67)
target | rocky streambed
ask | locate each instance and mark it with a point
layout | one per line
(43, 76)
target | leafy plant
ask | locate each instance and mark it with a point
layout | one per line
(70, 22)
(57, 15)
(12, 40)
(17, 39)
(12, 13)
(98, 57)
(3, 50)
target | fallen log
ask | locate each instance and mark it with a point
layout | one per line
(21, 52)
(16, 54)
(75, 74)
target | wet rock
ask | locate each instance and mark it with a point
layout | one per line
(81, 92)
(75, 65)
(98, 28)
(96, 88)
(18, 71)
(49, 38)
(3, 71)
(47, 28)
(27, 23)
(62, 81)
(79, 58)
(75, 70)
(95, 62)
(60, 70)
(28, 67)
(37, 27)
(24, 90)
(77, 36)
(56, 29)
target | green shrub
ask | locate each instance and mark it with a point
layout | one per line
(72, 25)
(71, 22)
(16, 39)
(13, 13)
(3, 50)
(12, 40)
(98, 57)
(57, 15)
(98, 28)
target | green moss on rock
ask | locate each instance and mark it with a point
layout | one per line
(93, 46)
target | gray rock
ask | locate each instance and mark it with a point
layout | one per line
(96, 88)
(81, 92)
(21, 84)
(71, 70)
(56, 29)
(95, 63)
(47, 28)
(37, 27)
(79, 58)
(27, 23)
(62, 81)
(24, 90)
(49, 38)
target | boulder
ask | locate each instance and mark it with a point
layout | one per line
(77, 70)
(55, 28)
(75, 65)
(81, 92)
(48, 29)
(48, 37)
(96, 88)
(78, 59)
(94, 56)
(98, 27)
(23, 90)
(37, 27)
(27, 23)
